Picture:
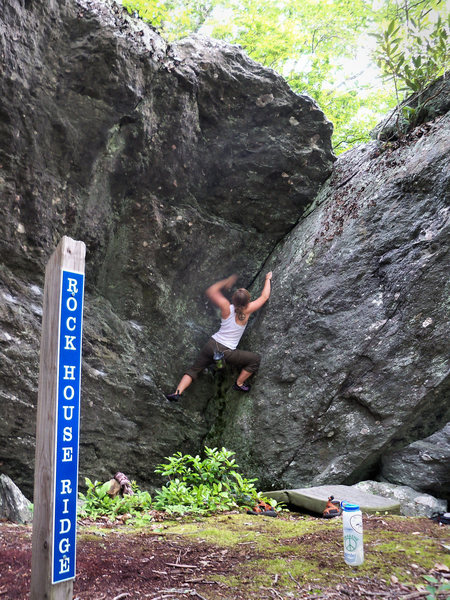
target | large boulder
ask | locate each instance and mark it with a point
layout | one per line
(180, 165)
(422, 465)
(176, 166)
(355, 335)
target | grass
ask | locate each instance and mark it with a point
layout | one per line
(308, 551)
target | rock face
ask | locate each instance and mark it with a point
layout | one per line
(178, 166)
(354, 339)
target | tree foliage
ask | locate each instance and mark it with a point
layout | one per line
(412, 51)
(175, 18)
(323, 48)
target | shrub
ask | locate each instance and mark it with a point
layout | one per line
(97, 502)
(195, 486)
(204, 486)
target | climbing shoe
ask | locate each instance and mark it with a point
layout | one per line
(174, 397)
(332, 508)
(245, 387)
(441, 518)
(262, 508)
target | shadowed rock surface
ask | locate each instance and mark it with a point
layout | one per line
(423, 465)
(178, 166)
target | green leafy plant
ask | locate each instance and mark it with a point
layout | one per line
(204, 486)
(97, 502)
(413, 53)
(195, 486)
(436, 587)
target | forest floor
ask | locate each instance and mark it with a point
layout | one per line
(235, 556)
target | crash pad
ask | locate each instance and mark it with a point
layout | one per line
(314, 499)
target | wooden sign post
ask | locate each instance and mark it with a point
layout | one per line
(58, 425)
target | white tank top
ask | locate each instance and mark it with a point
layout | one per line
(230, 332)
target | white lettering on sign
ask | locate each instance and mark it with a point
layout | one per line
(67, 454)
(67, 426)
(72, 286)
(71, 303)
(68, 412)
(64, 565)
(69, 392)
(64, 545)
(69, 342)
(67, 434)
(65, 525)
(65, 502)
(69, 372)
(69, 321)
(66, 487)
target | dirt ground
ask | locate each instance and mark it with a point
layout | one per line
(115, 562)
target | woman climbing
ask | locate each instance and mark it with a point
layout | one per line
(235, 317)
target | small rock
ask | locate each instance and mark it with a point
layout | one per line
(412, 503)
(13, 505)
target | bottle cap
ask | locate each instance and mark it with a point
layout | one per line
(349, 506)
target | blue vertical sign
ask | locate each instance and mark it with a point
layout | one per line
(67, 426)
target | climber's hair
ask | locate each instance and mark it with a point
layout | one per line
(240, 300)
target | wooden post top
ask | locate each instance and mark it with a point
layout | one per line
(69, 254)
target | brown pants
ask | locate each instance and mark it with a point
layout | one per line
(238, 358)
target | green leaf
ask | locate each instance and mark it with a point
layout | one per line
(391, 27)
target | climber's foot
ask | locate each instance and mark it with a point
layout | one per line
(245, 387)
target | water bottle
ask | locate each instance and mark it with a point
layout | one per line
(353, 534)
